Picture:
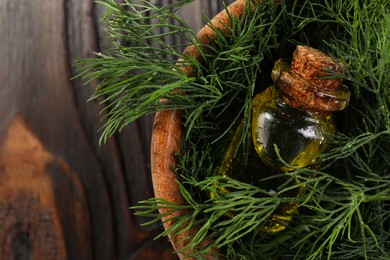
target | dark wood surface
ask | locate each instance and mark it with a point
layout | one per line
(62, 196)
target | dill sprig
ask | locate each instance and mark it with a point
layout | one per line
(141, 69)
(345, 212)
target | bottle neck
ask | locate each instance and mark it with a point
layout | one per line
(284, 103)
(305, 95)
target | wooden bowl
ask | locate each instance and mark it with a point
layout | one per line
(168, 131)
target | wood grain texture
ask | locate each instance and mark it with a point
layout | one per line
(37, 88)
(62, 196)
(34, 207)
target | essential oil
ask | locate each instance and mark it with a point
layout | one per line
(291, 126)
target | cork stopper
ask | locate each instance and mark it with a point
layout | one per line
(317, 67)
(312, 82)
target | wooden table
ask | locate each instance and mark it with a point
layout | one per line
(61, 194)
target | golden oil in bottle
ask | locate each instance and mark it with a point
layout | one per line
(291, 125)
(299, 136)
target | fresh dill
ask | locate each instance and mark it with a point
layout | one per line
(345, 213)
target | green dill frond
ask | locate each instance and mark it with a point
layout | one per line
(141, 68)
(345, 211)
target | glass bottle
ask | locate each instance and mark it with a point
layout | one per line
(291, 125)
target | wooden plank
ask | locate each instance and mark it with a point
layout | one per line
(41, 190)
(36, 87)
(82, 40)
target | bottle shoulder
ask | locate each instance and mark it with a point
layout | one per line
(269, 102)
